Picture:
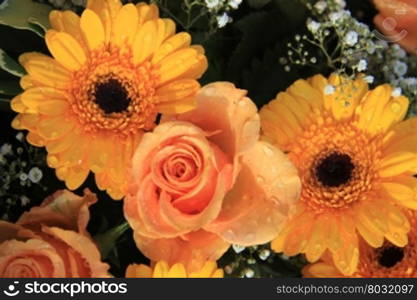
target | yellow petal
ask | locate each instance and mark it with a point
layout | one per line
(397, 163)
(177, 271)
(107, 10)
(147, 12)
(404, 193)
(66, 21)
(160, 270)
(65, 49)
(177, 107)
(92, 29)
(174, 43)
(370, 111)
(43, 69)
(138, 271)
(176, 90)
(35, 139)
(144, 44)
(176, 64)
(318, 239)
(54, 127)
(125, 25)
(75, 177)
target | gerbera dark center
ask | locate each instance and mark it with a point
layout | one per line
(111, 96)
(334, 170)
(390, 256)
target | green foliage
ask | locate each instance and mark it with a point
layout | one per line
(10, 65)
(26, 14)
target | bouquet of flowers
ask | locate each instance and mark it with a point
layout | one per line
(208, 138)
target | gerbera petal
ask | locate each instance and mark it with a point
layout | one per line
(38, 98)
(75, 177)
(176, 64)
(397, 163)
(251, 215)
(403, 192)
(125, 25)
(317, 243)
(138, 271)
(35, 139)
(144, 44)
(45, 70)
(303, 89)
(176, 90)
(66, 21)
(371, 110)
(193, 249)
(17, 105)
(347, 257)
(52, 127)
(107, 10)
(200, 65)
(174, 43)
(147, 12)
(65, 49)
(92, 29)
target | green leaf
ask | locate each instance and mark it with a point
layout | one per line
(258, 3)
(10, 87)
(8, 64)
(26, 14)
(107, 240)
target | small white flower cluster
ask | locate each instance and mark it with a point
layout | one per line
(355, 41)
(220, 9)
(20, 169)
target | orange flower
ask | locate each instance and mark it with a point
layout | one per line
(163, 270)
(202, 180)
(51, 241)
(388, 261)
(113, 70)
(397, 20)
(356, 160)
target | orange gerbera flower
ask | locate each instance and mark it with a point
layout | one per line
(163, 270)
(388, 261)
(113, 70)
(356, 160)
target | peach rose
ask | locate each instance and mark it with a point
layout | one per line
(397, 20)
(51, 241)
(202, 180)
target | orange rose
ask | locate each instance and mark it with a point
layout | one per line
(397, 20)
(51, 241)
(202, 180)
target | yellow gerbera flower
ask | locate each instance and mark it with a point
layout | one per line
(113, 70)
(163, 270)
(356, 160)
(388, 261)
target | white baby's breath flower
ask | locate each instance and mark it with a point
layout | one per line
(362, 65)
(20, 136)
(6, 149)
(320, 6)
(212, 4)
(313, 26)
(400, 68)
(351, 38)
(23, 176)
(369, 79)
(396, 92)
(24, 200)
(35, 175)
(329, 89)
(238, 248)
(234, 3)
(222, 20)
